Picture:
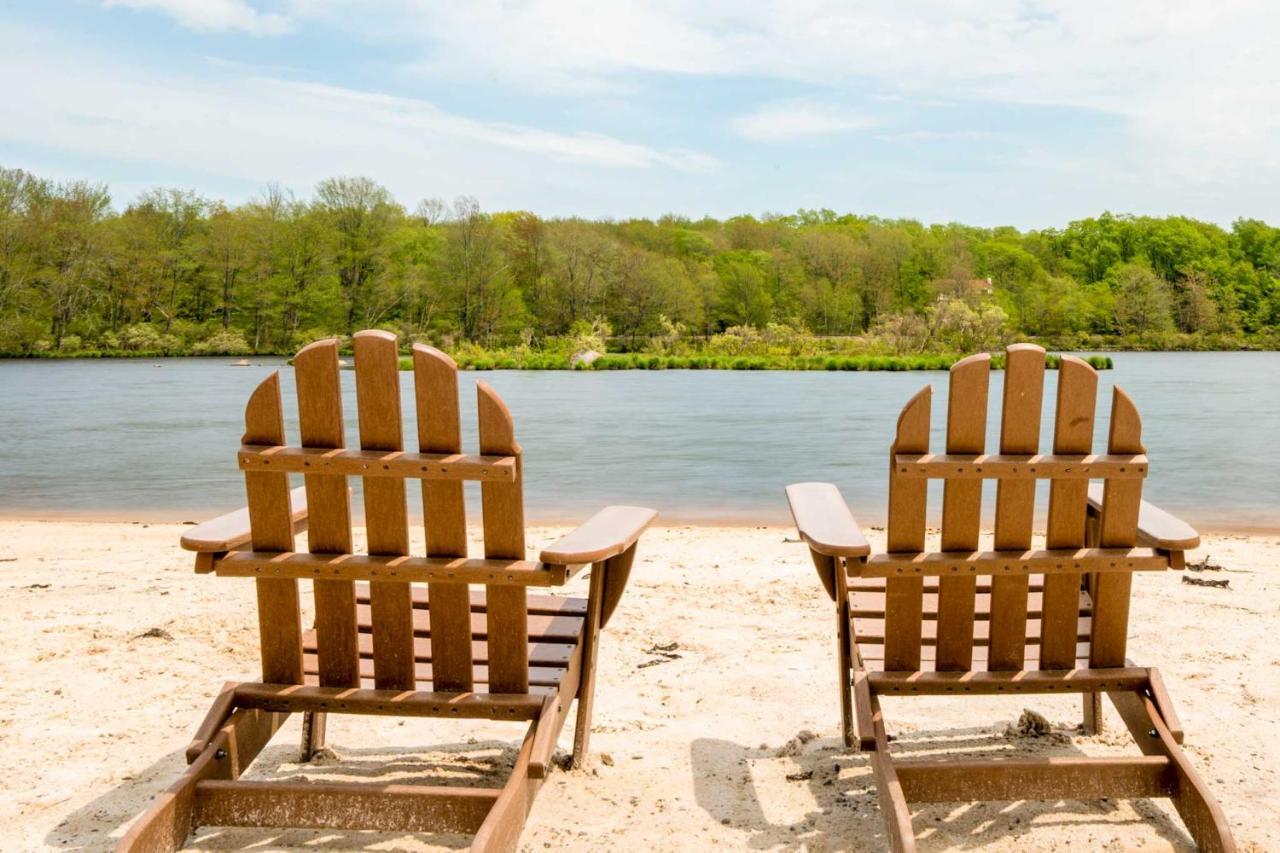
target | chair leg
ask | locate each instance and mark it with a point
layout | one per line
(1092, 713)
(1195, 804)
(166, 825)
(500, 832)
(893, 802)
(587, 687)
(313, 731)
(586, 700)
(846, 674)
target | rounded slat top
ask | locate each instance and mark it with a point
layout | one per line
(913, 423)
(435, 379)
(378, 390)
(1023, 395)
(315, 370)
(264, 414)
(497, 431)
(1077, 395)
(1126, 424)
(967, 404)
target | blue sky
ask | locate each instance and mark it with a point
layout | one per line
(1023, 113)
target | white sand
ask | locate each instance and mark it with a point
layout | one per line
(689, 752)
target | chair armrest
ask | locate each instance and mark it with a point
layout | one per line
(824, 520)
(231, 531)
(1156, 528)
(606, 534)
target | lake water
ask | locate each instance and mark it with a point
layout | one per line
(134, 439)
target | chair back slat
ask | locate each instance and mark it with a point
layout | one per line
(435, 382)
(1072, 434)
(271, 527)
(962, 510)
(908, 500)
(329, 511)
(1118, 528)
(1015, 502)
(386, 518)
(503, 507)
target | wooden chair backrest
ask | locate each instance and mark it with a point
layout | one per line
(453, 666)
(1006, 645)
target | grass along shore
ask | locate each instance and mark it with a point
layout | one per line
(644, 361)
(514, 360)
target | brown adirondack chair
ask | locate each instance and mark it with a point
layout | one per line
(382, 643)
(959, 620)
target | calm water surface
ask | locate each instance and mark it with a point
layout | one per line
(139, 439)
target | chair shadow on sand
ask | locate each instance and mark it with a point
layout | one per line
(477, 763)
(845, 814)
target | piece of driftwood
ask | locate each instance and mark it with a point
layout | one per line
(434, 635)
(1218, 584)
(960, 621)
(1205, 565)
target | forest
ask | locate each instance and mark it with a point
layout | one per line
(175, 273)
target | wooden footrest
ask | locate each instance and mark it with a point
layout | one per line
(385, 808)
(1070, 778)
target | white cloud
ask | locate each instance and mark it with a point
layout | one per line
(241, 127)
(1195, 86)
(416, 116)
(791, 121)
(212, 15)
(545, 45)
(1187, 96)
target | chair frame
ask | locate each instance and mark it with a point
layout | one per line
(257, 542)
(1096, 538)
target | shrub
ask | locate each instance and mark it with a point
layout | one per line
(140, 337)
(735, 340)
(224, 342)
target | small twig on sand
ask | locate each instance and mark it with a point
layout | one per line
(665, 654)
(1204, 565)
(1222, 584)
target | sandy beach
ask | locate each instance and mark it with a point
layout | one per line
(113, 649)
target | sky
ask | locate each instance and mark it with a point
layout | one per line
(989, 112)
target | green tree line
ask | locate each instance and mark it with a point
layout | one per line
(176, 272)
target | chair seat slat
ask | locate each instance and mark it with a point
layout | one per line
(540, 653)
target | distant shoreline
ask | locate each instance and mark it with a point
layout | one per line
(667, 518)
(642, 361)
